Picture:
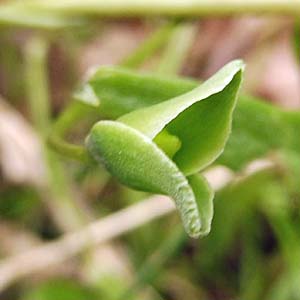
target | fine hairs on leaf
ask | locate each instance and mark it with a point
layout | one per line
(195, 126)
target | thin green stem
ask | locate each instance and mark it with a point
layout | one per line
(147, 48)
(61, 13)
(69, 150)
(36, 82)
(154, 264)
(74, 113)
(296, 39)
(177, 48)
(66, 213)
(23, 15)
(168, 7)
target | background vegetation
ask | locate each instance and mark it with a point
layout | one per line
(47, 48)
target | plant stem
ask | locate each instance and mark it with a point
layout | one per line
(168, 7)
(70, 244)
(36, 83)
(177, 48)
(147, 48)
(23, 15)
(56, 14)
(67, 215)
(103, 230)
(153, 265)
(74, 113)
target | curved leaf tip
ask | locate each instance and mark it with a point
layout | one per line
(137, 162)
(172, 141)
(201, 118)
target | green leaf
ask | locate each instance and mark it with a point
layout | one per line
(130, 155)
(258, 127)
(192, 129)
(117, 91)
(195, 124)
(202, 128)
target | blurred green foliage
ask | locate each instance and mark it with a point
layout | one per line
(253, 250)
(19, 203)
(61, 289)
